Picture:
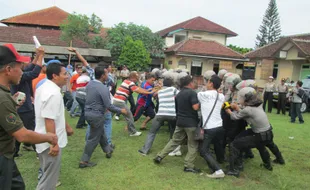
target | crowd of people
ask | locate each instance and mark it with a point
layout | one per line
(222, 121)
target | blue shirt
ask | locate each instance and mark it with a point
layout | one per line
(145, 99)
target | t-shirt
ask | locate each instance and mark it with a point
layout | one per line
(125, 73)
(73, 81)
(10, 122)
(48, 103)
(36, 81)
(126, 88)
(166, 98)
(207, 100)
(145, 99)
(81, 83)
(186, 115)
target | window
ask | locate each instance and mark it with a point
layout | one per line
(179, 38)
(275, 71)
(196, 67)
(169, 62)
(216, 67)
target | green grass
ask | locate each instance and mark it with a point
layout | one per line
(129, 170)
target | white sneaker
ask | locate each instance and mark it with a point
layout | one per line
(176, 152)
(216, 175)
(136, 134)
(116, 118)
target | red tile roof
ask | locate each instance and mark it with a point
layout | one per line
(52, 16)
(23, 35)
(203, 47)
(270, 50)
(198, 24)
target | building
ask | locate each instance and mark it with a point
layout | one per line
(199, 45)
(288, 58)
(45, 25)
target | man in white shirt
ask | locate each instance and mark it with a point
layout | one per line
(213, 130)
(50, 118)
(125, 73)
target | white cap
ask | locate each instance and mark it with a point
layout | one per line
(271, 77)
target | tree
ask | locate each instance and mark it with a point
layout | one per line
(270, 30)
(81, 27)
(134, 55)
(116, 39)
(239, 49)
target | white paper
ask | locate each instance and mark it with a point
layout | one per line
(37, 44)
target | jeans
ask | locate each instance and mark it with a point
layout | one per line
(81, 121)
(75, 104)
(156, 124)
(295, 111)
(215, 135)
(108, 126)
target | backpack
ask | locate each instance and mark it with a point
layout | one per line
(303, 95)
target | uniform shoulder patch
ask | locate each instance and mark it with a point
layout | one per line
(11, 118)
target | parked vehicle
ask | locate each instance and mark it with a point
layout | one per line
(306, 86)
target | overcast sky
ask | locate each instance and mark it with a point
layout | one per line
(241, 16)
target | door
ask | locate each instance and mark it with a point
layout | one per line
(196, 68)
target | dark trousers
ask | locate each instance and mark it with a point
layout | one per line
(295, 111)
(142, 110)
(81, 121)
(28, 119)
(281, 102)
(68, 100)
(215, 135)
(96, 136)
(248, 139)
(10, 177)
(268, 97)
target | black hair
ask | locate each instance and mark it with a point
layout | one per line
(99, 71)
(149, 76)
(216, 80)
(53, 68)
(186, 80)
(300, 83)
(168, 82)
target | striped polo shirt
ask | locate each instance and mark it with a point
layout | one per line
(166, 99)
(126, 88)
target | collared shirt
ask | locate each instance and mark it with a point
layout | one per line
(48, 104)
(10, 122)
(126, 88)
(145, 99)
(270, 87)
(282, 88)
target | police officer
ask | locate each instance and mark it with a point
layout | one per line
(282, 90)
(11, 126)
(258, 136)
(270, 87)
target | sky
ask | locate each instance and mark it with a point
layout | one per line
(241, 16)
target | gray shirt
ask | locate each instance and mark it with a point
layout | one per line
(282, 88)
(255, 116)
(98, 99)
(296, 98)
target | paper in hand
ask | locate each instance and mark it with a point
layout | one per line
(37, 44)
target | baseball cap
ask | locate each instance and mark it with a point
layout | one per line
(271, 77)
(8, 54)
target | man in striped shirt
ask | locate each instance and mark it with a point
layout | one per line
(121, 96)
(166, 112)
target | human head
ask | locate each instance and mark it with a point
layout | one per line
(78, 68)
(11, 64)
(283, 81)
(270, 79)
(247, 96)
(221, 73)
(101, 73)
(134, 76)
(109, 68)
(57, 73)
(186, 81)
(168, 82)
(44, 66)
(214, 83)
(299, 84)
(150, 78)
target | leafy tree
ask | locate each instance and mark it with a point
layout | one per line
(134, 55)
(270, 30)
(239, 49)
(79, 27)
(116, 39)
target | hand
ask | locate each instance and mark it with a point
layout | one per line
(54, 150)
(228, 111)
(71, 49)
(124, 111)
(234, 106)
(40, 51)
(69, 130)
(53, 139)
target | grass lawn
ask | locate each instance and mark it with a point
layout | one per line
(127, 169)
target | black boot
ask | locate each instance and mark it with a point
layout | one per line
(157, 160)
(279, 161)
(267, 166)
(234, 172)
